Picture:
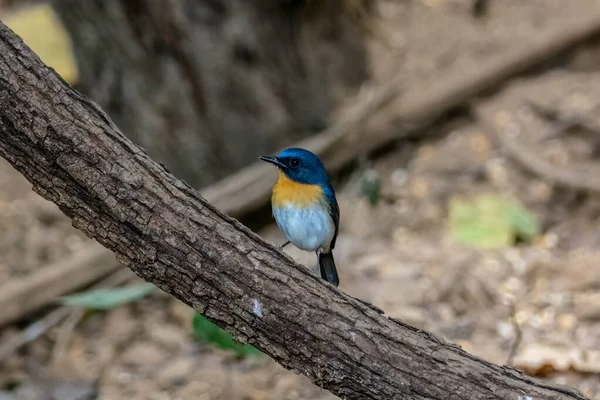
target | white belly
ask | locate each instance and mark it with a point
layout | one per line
(306, 228)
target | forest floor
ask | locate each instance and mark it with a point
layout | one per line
(539, 298)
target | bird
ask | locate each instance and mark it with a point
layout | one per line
(305, 207)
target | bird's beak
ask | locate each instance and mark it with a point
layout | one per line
(272, 160)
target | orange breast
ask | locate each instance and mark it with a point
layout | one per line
(298, 194)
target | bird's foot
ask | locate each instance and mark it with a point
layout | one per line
(318, 266)
(280, 248)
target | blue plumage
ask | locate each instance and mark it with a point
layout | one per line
(303, 166)
(305, 206)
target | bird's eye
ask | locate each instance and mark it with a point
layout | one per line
(294, 162)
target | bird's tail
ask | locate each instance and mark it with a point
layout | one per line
(327, 268)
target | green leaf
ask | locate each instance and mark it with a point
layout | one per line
(209, 332)
(106, 299)
(524, 223)
(490, 221)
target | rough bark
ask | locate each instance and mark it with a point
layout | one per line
(168, 234)
(205, 85)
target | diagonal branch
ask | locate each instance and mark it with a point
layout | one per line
(528, 157)
(168, 234)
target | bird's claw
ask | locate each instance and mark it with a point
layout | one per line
(280, 248)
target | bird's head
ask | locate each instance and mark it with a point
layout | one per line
(300, 166)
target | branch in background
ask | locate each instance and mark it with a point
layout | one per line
(387, 113)
(530, 159)
(563, 121)
(52, 319)
(169, 235)
(117, 278)
(32, 332)
(390, 105)
(518, 333)
(39, 289)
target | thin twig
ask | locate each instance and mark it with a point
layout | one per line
(215, 264)
(529, 159)
(563, 121)
(32, 332)
(250, 189)
(518, 334)
(64, 334)
(38, 328)
(395, 103)
(27, 295)
(118, 278)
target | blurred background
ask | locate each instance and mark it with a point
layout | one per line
(474, 217)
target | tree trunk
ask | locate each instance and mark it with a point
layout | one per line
(168, 234)
(206, 86)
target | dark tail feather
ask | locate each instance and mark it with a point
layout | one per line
(328, 270)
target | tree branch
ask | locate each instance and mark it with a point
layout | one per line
(168, 234)
(528, 157)
(26, 295)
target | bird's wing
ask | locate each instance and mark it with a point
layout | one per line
(334, 212)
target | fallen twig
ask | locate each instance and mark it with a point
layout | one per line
(248, 190)
(117, 278)
(391, 105)
(64, 334)
(530, 159)
(564, 121)
(169, 235)
(20, 297)
(518, 334)
(32, 332)
(52, 319)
